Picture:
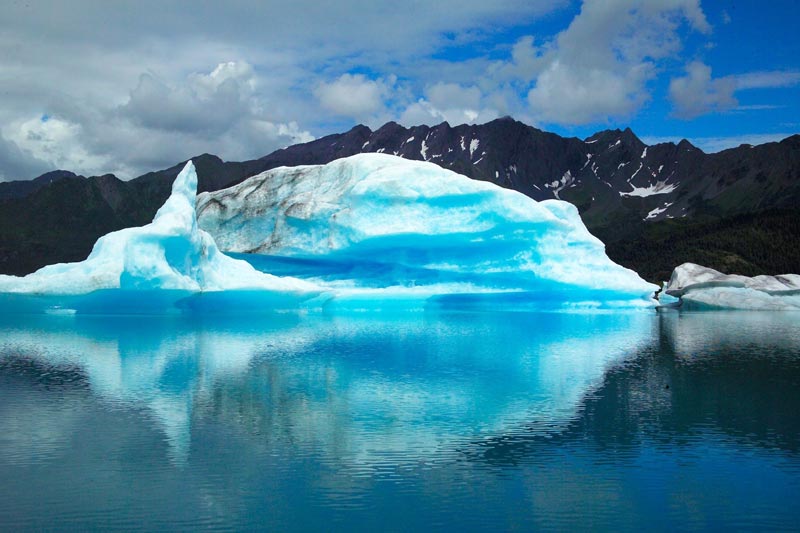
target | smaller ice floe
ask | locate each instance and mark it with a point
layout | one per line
(699, 287)
(171, 255)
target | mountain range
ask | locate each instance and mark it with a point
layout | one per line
(653, 206)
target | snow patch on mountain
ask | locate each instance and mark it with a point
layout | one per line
(657, 211)
(473, 145)
(635, 173)
(559, 185)
(659, 187)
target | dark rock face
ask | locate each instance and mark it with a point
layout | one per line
(22, 188)
(641, 200)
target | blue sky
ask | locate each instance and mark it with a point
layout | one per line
(128, 87)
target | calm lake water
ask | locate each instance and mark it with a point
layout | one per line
(464, 421)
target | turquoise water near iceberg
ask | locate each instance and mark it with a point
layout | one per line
(381, 421)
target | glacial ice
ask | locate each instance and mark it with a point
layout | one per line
(401, 226)
(367, 232)
(700, 287)
(169, 254)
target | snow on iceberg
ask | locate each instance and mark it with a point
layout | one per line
(399, 223)
(699, 287)
(171, 253)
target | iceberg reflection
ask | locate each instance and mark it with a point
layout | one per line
(693, 335)
(360, 389)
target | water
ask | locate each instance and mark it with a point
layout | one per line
(431, 420)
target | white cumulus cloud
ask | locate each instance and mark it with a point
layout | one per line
(218, 111)
(354, 95)
(598, 68)
(698, 93)
(449, 102)
(137, 92)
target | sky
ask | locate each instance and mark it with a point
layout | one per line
(131, 86)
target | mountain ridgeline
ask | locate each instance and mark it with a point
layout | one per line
(654, 206)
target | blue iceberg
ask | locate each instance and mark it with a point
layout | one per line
(366, 232)
(374, 225)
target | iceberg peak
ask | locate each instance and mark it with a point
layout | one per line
(170, 253)
(183, 198)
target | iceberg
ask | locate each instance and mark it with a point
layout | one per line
(375, 224)
(700, 287)
(366, 232)
(170, 254)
